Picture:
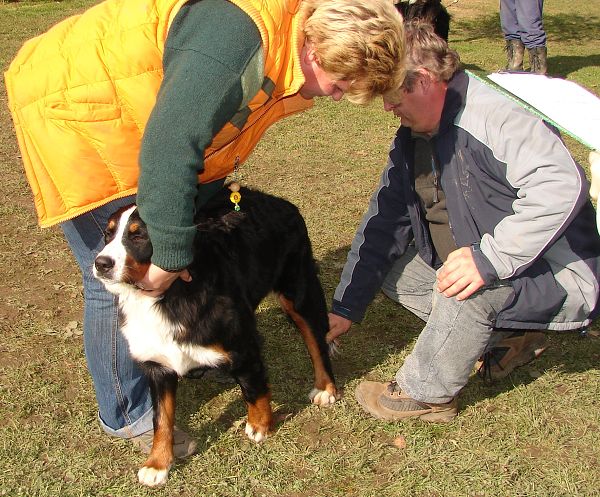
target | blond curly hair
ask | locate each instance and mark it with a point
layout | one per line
(361, 42)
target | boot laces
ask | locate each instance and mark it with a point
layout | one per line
(393, 388)
(489, 361)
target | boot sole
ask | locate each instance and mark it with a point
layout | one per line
(439, 417)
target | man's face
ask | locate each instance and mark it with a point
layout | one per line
(319, 83)
(419, 108)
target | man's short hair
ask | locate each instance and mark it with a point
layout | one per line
(426, 50)
(361, 42)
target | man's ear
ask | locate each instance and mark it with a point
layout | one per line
(424, 80)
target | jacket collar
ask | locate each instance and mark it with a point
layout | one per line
(455, 100)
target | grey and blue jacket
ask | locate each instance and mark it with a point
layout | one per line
(514, 195)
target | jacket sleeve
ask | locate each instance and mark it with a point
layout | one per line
(382, 237)
(550, 190)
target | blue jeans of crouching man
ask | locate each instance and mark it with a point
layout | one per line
(122, 392)
(455, 335)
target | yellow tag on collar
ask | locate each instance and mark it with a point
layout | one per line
(235, 197)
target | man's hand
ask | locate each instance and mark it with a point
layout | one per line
(337, 327)
(156, 281)
(459, 276)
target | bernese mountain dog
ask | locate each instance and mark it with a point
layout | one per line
(240, 256)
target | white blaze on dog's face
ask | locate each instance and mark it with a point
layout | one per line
(126, 256)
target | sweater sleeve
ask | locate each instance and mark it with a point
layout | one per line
(212, 66)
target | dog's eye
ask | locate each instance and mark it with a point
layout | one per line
(137, 237)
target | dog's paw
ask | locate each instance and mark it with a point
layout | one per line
(322, 398)
(256, 434)
(152, 477)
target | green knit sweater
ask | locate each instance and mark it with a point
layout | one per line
(213, 66)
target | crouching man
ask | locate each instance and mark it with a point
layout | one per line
(505, 243)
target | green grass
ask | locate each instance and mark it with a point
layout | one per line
(536, 433)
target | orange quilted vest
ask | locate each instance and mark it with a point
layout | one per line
(81, 94)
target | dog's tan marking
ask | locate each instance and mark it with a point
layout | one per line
(134, 228)
(135, 270)
(260, 418)
(323, 382)
(219, 349)
(155, 469)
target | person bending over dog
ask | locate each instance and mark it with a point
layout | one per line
(185, 90)
(504, 234)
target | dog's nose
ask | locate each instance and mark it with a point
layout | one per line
(104, 264)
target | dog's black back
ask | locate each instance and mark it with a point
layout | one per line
(241, 256)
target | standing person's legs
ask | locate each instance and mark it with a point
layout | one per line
(513, 33)
(124, 402)
(529, 15)
(509, 20)
(534, 37)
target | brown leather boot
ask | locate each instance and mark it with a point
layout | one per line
(538, 60)
(514, 350)
(514, 52)
(388, 401)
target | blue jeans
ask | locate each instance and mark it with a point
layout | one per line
(522, 20)
(455, 335)
(122, 392)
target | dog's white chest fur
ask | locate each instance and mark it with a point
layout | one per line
(150, 337)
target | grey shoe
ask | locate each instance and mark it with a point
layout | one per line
(387, 401)
(183, 444)
(515, 51)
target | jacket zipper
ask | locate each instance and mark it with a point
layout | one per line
(436, 180)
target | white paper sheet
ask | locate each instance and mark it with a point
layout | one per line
(568, 105)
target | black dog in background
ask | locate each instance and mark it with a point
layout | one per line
(431, 11)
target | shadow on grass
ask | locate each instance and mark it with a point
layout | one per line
(563, 65)
(560, 66)
(559, 28)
